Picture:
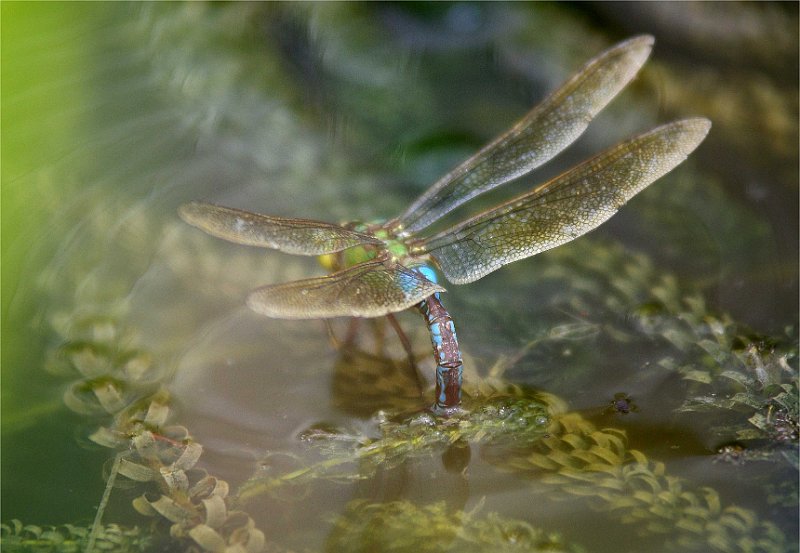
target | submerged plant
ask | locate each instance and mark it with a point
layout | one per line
(578, 459)
(17, 537)
(734, 372)
(356, 455)
(726, 367)
(560, 449)
(121, 383)
(402, 526)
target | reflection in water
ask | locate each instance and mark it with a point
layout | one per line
(205, 403)
(364, 383)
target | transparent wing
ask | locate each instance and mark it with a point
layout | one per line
(297, 236)
(369, 289)
(565, 207)
(541, 134)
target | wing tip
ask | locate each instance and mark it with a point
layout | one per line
(192, 211)
(694, 130)
(185, 210)
(643, 40)
(637, 47)
(701, 124)
(255, 301)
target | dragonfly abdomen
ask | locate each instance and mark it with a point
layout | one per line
(445, 351)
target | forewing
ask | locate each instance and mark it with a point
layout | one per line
(296, 236)
(369, 289)
(565, 207)
(541, 134)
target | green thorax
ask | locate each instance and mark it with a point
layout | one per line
(396, 248)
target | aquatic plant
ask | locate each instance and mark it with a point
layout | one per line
(17, 537)
(579, 459)
(402, 526)
(726, 366)
(113, 382)
(733, 370)
(557, 448)
(354, 456)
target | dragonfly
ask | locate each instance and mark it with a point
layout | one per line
(381, 268)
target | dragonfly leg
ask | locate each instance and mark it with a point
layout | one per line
(446, 354)
(409, 352)
(349, 339)
(379, 335)
(352, 332)
(335, 343)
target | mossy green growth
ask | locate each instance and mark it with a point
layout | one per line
(731, 369)
(745, 380)
(580, 460)
(354, 456)
(402, 526)
(18, 538)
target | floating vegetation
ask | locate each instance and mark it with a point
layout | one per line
(495, 421)
(562, 450)
(732, 371)
(17, 538)
(402, 526)
(578, 459)
(737, 454)
(726, 366)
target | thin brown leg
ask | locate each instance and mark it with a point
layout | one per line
(409, 352)
(379, 333)
(349, 339)
(352, 332)
(335, 343)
